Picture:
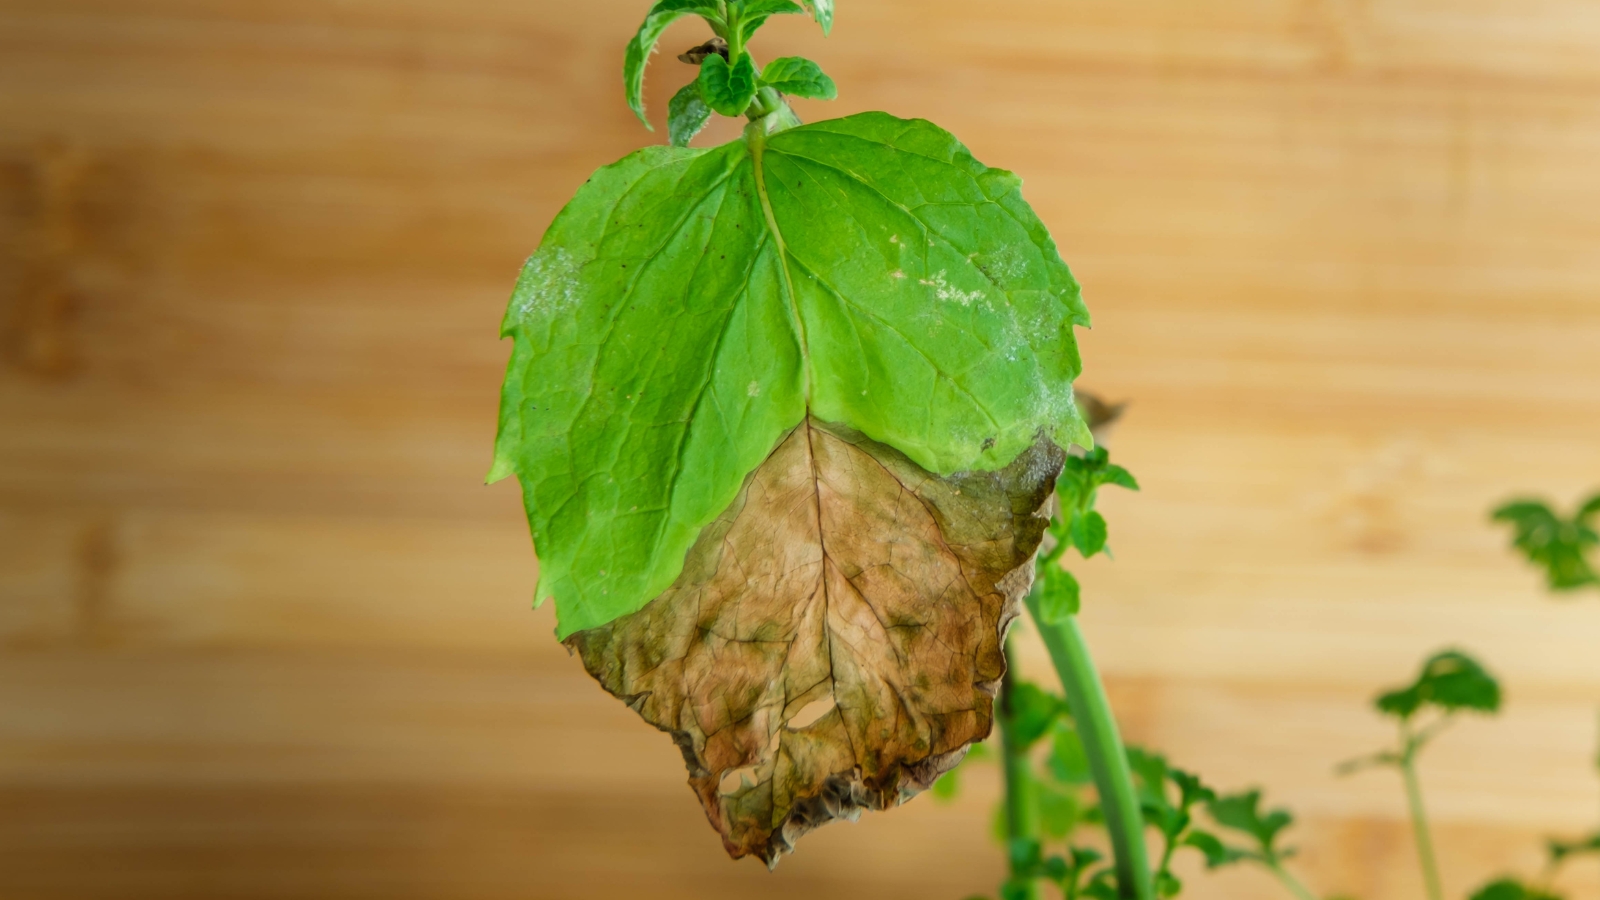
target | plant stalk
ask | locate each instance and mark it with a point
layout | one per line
(1021, 801)
(1108, 760)
(1287, 879)
(1419, 822)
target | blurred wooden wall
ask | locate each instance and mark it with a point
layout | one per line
(263, 633)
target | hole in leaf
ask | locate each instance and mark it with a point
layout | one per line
(736, 780)
(811, 713)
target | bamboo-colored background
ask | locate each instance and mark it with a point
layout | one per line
(263, 633)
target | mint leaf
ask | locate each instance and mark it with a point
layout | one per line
(1032, 710)
(769, 7)
(689, 307)
(662, 14)
(1449, 681)
(799, 77)
(1120, 477)
(756, 12)
(727, 87)
(1089, 533)
(822, 11)
(687, 114)
(1058, 594)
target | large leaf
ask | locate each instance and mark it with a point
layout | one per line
(835, 640)
(689, 307)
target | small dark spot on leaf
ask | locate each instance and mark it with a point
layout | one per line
(988, 442)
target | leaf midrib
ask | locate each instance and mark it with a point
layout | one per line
(758, 146)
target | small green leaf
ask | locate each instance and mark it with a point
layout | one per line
(1089, 533)
(947, 786)
(1511, 889)
(1556, 545)
(754, 14)
(1561, 851)
(1059, 594)
(1103, 886)
(1241, 812)
(799, 77)
(727, 87)
(1024, 852)
(1032, 710)
(1589, 510)
(1017, 889)
(769, 8)
(687, 114)
(1151, 771)
(1449, 681)
(1191, 789)
(1167, 884)
(1058, 810)
(664, 13)
(1217, 853)
(822, 11)
(1401, 703)
(1121, 477)
(1069, 761)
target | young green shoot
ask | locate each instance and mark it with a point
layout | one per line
(1450, 683)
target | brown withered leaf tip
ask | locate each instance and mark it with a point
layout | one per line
(836, 638)
(697, 54)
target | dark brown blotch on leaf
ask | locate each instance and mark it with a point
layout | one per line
(835, 640)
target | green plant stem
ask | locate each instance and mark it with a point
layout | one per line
(1287, 879)
(1021, 800)
(1419, 819)
(1108, 760)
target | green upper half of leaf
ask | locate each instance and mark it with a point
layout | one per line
(689, 307)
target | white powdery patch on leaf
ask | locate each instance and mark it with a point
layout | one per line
(549, 285)
(944, 290)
